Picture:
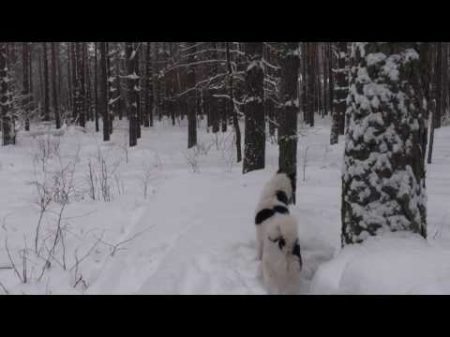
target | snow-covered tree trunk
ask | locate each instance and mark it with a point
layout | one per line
(96, 113)
(110, 87)
(133, 79)
(384, 176)
(289, 105)
(46, 116)
(148, 114)
(102, 89)
(192, 103)
(340, 89)
(5, 104)
(26, 84)
(54, 87)
(73, 77)
(88, 86)
(255, 136)
(232, 108)
(156, 81)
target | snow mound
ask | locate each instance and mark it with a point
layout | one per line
(394, 263)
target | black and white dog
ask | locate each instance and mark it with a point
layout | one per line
(275, 198)
(276, 235)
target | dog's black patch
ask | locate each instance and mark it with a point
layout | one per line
(296, 251)
(281, 243)
(281, 209)
(263, 215)
(266, 213)
(282, 196)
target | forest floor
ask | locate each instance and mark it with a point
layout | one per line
(178, 221)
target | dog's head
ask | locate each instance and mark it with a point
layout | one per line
(292, 177)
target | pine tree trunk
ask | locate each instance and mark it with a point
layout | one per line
(148, 86)
(334, 137)
(46, 84)
(96, 103)
(340, 86)
(191, 100)
(287, 138)
(54, 88)
(384, 174)
(110, 89)
(255, 137)
(137, 89)
(438, 86)
(132, 97)
(89, 108)
(233, 110)
(26, 84)
(103, 90)
(436, 100)
(7, 125)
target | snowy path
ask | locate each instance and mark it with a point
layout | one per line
(202, 241)
(205, 243)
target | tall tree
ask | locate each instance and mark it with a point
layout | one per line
(289, 105)
(436, 95)
(132, 92)
(192, 97)
(46, 84)
(26, 84)
(340, 87)
(54, 87)
(96, 104)
(5, 104)
(102, 90)
(149, 87)
(384, 174)
(232, 108)
(255, 137)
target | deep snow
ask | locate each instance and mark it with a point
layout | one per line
(194, 232)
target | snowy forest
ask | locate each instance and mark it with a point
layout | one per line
(224, 168)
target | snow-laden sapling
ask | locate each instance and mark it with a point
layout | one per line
(304, 161)
(145, 179)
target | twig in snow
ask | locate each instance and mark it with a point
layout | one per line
(4, 288)
(12, 261)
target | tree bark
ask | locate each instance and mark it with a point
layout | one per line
(54, 87)
(384, 174)
(255, 137)
(46, 84)
(103, 93)
(287, 139)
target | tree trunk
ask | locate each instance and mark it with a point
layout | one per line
(384, 174)
(54, 88)
(46, 84)
(192, 106)
(26, 84)
(255, 137)
(340, 86)
(148, 86)
(287, 133)
(7, 122)
(96, 104)
(102, 90)
(233, 110)
(132, 93)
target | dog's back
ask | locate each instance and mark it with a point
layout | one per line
(281, 260)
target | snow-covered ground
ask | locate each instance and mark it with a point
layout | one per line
(181, 222)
